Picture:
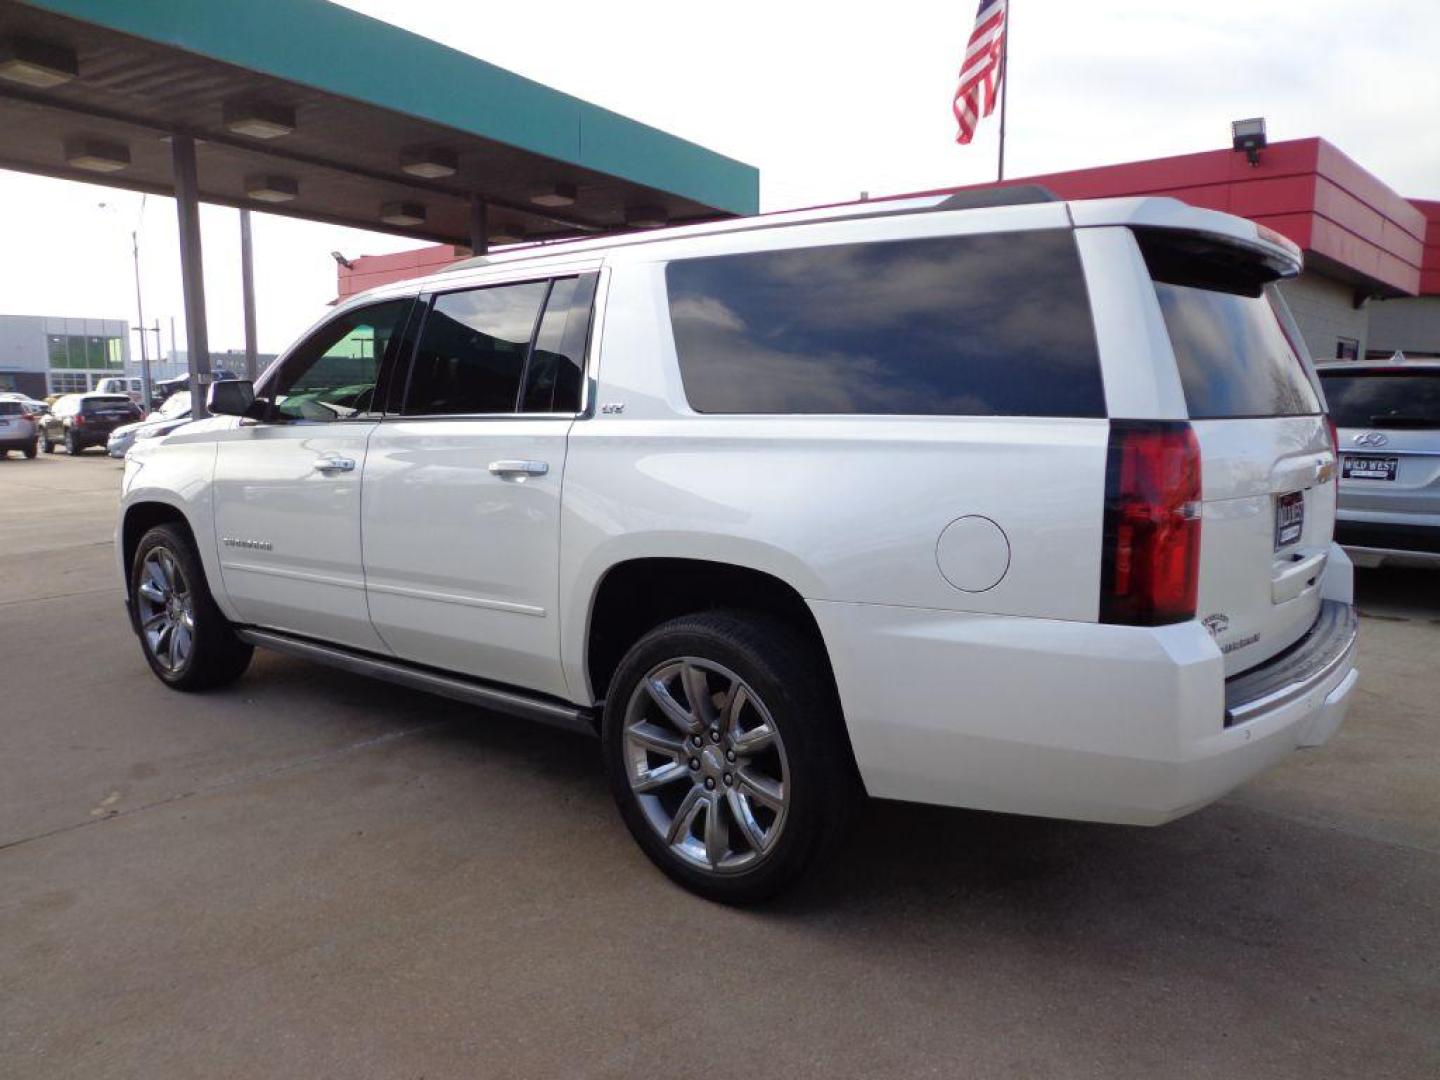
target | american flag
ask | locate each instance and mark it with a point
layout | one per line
(980, 73)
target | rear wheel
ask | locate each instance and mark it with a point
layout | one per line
(188, 643)
(726, 753)
(33, 449)
(72, 445)
(45, 443)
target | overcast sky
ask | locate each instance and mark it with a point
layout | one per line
(827, 100)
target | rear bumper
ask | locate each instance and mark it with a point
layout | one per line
(1067, 719)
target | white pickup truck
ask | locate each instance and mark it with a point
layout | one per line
(992, 501)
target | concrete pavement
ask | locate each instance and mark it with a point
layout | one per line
(312, 875)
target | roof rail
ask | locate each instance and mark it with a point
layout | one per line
(981, 198)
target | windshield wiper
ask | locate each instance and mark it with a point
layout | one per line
(1395, 420)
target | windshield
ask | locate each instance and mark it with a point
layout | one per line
(177, 404)
(1393, 399)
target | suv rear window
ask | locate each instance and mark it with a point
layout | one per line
(106, 403)
(1393, 399)
(10, 408)
(992, 325)
(1234, 358)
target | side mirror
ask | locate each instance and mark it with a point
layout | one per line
(231, 397)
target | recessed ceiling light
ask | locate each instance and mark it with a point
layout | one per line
(258, 120)
(272, 188)
(402, 213)
(646, 217)
(36, 63)
(561, 195)
(431, 163)
(507, 234)
(97, 155)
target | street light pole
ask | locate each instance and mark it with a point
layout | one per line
(145, 391)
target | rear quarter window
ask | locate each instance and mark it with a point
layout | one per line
(992, 325)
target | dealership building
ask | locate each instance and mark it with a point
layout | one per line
(43, 354)
(1371, 284)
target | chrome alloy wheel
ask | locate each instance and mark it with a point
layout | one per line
(166, 609)
(707, 764)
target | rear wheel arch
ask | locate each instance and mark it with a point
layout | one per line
(636, 595)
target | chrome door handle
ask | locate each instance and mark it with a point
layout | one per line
(335, 464)
(519, 468)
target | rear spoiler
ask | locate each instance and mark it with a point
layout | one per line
(1279, 255)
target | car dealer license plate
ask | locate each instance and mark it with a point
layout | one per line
(1289, 518)
(1355, 467)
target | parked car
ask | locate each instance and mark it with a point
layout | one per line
(38, 408)
(171, 415)
(163, 389)
(80, 421)
(17, 428)
(1019, 507)
(1388, 416)
(131, 387)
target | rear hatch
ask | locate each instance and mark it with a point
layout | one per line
(108, 413)
(1267, 464)
(1389, 421)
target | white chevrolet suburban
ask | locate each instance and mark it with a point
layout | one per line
(991, 501)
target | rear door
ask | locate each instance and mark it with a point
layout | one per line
(1267, 466)
(461, 502)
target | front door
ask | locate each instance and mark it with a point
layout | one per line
(461, 500)
(287, 488)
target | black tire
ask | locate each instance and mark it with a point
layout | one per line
(215, 656)
(72, 445)
(46, 444)
(789, 674)
(33, 449)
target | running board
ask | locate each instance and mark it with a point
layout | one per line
(537, 707)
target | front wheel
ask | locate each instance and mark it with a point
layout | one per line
(726, 753)
(187, 641)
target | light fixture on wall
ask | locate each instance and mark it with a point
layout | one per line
(559, 195)
(36, 63)
(1248, 136)
(259, 120)
(272, 188)
(97, 155)
(402, 214)
(430, 163)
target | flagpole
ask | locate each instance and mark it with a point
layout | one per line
(1004, 90)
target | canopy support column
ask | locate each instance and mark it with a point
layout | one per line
(247, 293)
(479, 226)
(192, 272)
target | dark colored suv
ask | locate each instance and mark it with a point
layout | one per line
(84, 420)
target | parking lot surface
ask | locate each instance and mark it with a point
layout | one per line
(313, 875)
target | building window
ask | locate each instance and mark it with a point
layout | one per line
(58, 351)
(1347, 349)
(69, 382)
(114, 354)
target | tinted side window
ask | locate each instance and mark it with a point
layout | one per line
(557, 366)
(953, 326)
(332, 374)
(472, 350)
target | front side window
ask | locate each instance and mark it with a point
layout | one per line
(472, 352)
(990, 325)
(332, 374)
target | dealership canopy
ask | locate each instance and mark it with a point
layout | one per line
(304, 108)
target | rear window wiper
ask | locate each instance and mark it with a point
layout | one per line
(1401, 421)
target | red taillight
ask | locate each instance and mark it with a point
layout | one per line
(27, 416)
(79, 418)
(1150, 565)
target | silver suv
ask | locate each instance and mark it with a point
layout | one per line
(1388, 420)
(17, 428)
